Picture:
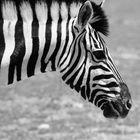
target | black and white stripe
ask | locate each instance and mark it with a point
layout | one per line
(41, 34)
(31, 35)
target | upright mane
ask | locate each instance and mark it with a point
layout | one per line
(99, 20)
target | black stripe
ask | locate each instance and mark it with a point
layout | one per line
(18, 3)
(16, 58)
(35, 50)
(72, 78)
(76, 28)
(110, 85)
(11, 72)
(80, 81)
(99, 97)
(100, 67)
(48, 35)
(35, 40)
(2, 42)
(102, 42)
(20, 41)
(83, 92)
(1, 17)
(59, 34)
(99, 40)
(100, 77)
(33, 58)
(96, 36)
(88, 89)
(101, 103)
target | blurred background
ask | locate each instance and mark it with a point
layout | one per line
(44, 108)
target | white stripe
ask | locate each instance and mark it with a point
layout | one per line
(100, 43)
(42, 16)
(27, 16)
(42, 31)
(9, 32)
(83, 53)
(117, 89)
(64, 11)
(97, 103)
(74, 9)
(9, 11)
(87, 38)
(41, 12)
(97, 42)
(26, 12)
(87, 66)
(9, 14)
(28, 43)
(55, 11)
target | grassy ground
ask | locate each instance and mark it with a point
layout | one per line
(43, 108)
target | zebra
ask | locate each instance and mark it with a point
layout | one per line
(64, 36)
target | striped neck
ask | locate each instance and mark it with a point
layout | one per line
(32, 40)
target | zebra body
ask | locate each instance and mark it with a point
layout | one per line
(41, 35)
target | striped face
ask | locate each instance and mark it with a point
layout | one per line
(105, 87)
(97, 78)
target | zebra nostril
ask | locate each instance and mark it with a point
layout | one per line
(128, 104)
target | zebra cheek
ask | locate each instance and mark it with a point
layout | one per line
(125, 92)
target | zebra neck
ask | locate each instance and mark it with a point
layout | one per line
(31, 38)
(29, 48)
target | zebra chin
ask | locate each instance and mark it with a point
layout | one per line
(114, 109)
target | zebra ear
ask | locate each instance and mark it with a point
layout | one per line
(102, 3)
(85, 14)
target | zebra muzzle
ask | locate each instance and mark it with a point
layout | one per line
(118, 107)
(115, 110)
(109, 111)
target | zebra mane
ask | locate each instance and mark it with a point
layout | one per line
(99, 20)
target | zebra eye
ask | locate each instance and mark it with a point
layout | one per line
(100, 55)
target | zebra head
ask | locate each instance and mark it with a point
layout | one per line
(92, 72)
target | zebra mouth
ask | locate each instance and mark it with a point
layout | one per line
(114, 110)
